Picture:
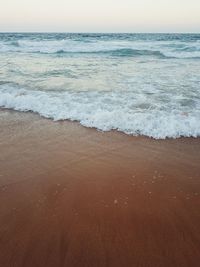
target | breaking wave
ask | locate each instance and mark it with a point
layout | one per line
(167, 49)
(106, 111)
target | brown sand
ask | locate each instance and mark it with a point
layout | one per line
(72, 196)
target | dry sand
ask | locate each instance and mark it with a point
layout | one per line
(72, 196)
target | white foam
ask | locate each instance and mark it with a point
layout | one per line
(126, 112)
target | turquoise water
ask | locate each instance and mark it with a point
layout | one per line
(141, 84)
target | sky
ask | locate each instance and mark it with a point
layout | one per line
(100, 15)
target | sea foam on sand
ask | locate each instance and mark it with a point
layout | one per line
(129, 113)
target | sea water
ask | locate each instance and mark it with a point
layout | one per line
(140, 84)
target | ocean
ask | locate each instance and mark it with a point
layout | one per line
(139, 84)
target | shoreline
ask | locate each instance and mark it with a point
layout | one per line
(75, 196)
(11, 110)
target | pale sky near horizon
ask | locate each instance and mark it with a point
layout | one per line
(100, 15)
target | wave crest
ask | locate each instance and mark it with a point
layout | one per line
(123, 52)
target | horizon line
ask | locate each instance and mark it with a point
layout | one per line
(100, 32)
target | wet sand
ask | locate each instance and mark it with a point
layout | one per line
(72, 196)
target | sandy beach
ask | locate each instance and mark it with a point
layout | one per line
(74, 196)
